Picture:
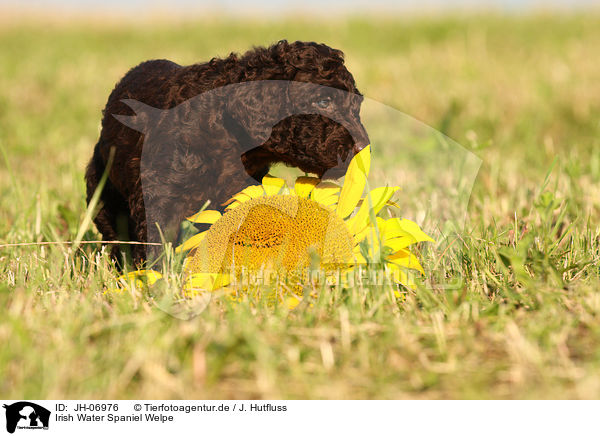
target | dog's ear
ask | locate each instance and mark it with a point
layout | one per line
(145, 116)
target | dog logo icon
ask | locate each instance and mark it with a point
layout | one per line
(26, 415)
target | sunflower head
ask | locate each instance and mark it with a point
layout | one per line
(281, 233)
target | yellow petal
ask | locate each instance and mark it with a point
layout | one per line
(329, 202)
(205, 282)
(253, 191)
(247, 194)
(325, 191)
(221, 281)
(379, 197)
(206, 217)
(400, 275)
(138, 277)
(305, 185)
(358, 237)
(406, 259)
(358, 257)
(202, 281)
(398, 243)
(192, 242)
(369, 230)
(354, 182)
(397, 227)
(237, 198)
(292, 302)
(272, 185)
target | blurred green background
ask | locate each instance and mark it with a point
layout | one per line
(519, 91)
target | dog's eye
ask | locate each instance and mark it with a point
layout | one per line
(324, 104)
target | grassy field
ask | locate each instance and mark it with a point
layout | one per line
(521, 92)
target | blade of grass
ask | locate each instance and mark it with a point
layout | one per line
(87, 219)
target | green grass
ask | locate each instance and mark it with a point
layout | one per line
(521, 321)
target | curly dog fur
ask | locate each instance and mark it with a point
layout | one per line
(214, 166)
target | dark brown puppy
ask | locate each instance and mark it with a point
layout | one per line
(215, 161)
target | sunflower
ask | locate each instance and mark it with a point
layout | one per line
(284, 232)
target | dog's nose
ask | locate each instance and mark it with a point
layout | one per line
(358, 146)
(360, 137)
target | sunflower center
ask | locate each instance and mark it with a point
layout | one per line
(285, 233)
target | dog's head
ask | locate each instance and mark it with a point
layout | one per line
(324, 129)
